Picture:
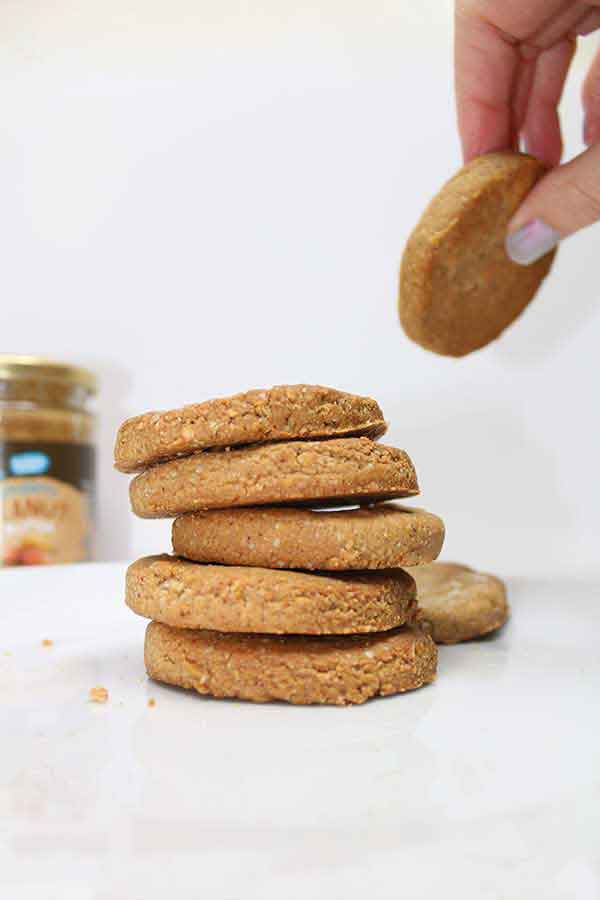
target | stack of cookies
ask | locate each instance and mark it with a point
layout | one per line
(286, 583)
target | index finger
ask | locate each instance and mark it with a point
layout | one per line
(486, 66)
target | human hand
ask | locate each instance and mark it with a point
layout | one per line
(511, 61)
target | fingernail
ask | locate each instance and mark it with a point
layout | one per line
(531, 242)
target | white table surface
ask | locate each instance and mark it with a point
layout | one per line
(484, 785)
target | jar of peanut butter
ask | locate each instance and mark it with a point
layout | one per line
(47, 471)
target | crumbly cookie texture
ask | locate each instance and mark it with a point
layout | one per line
(285, 412)
(458, 602)
(458, 288)
(337, 472)
(383, 536)
(300, 670)
(247, 599)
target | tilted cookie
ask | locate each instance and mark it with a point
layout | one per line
(458, 602)
(285, 412)
(332, 670)
(334, 473)
(458, 288)
(379, 537)
(248, 599)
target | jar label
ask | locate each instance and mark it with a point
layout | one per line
(46, 503)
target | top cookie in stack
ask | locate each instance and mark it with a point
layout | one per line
(283, 413)
(241, 475)
(290, 444)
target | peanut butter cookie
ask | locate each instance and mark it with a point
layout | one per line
(458, 288)
(332, 670)
(247, 599)
(285, 412)
(379, 537)
(335, 473)
(458, 602)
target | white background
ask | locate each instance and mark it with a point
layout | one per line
(483, 787)
(197, 197)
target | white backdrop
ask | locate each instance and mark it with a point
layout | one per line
(200, 196)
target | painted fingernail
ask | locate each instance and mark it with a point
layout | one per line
(531, 242)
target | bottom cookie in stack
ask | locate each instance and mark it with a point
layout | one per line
(299, 669)
(260, 634)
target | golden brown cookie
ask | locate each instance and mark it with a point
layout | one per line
(458, 602)
(248, 599)
(384, 536)
(334, 473)
(458, 288)
(285, 412)
(333, 670)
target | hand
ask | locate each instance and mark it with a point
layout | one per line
(511, 61)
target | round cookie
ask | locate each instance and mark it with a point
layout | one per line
(458, 602)
(458, 288)
(243, 599)
(378, 537)
(334, 473)
(333, 670)
(285, 412)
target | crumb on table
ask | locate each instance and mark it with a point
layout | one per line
(47, 643)
(151, 702)
(98, 695)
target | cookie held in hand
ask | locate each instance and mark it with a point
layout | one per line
(459, 289)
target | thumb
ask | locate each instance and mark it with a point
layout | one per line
(562, 202)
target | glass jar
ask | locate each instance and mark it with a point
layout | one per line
(47, 462)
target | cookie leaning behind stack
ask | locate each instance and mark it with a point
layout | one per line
(458, 603)
(279, 602)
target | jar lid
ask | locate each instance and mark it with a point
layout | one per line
(15, 366)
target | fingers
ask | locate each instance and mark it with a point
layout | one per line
(591, 102)
(505, 84)
(564, 201)
(589, 23)
(486, 64)
(541, 128)
(521, 94)
(565, 22)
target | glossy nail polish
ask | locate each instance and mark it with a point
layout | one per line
(531, 242)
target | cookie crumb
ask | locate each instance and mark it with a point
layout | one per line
(47, 643)
(151, 702)
(98, 695)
